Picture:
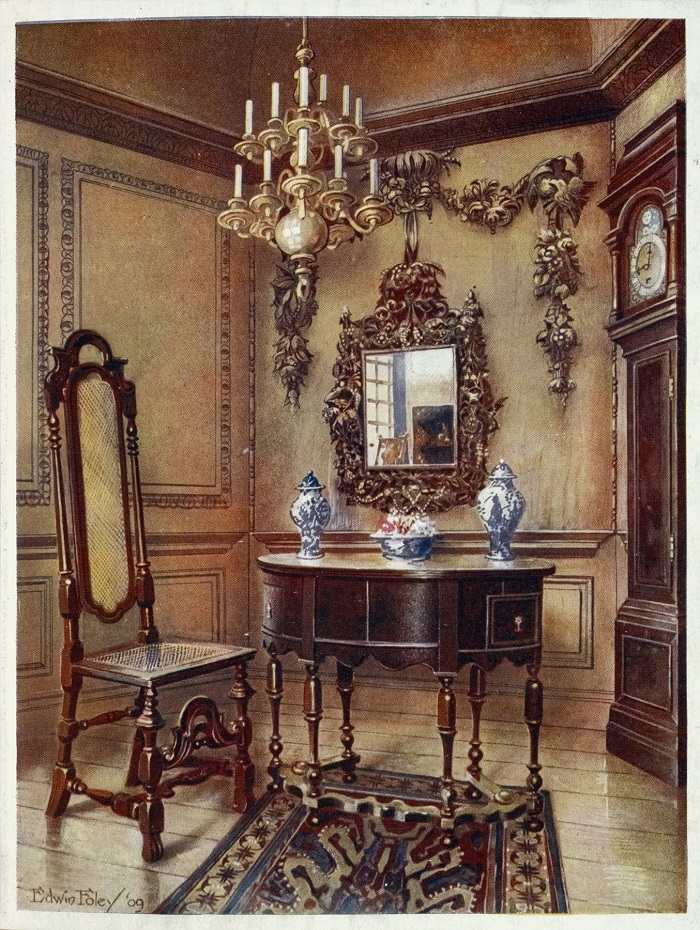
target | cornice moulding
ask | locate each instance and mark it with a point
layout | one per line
(641, 56)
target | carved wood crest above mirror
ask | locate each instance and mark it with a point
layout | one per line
(412, 408)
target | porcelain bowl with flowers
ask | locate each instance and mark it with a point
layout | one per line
(406, 537)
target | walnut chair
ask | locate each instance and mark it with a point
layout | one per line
(104, 576)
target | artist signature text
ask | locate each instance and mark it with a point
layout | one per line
(85, 897)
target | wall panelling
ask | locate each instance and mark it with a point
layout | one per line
(33, 465)
(118, 231)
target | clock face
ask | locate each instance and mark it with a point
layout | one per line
(647, 269)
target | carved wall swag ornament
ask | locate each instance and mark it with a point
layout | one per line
(412, 313)
(555, 184)
(410, 184)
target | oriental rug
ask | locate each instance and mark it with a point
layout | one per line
(276, 861)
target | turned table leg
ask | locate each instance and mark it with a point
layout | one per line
(533, 718)
(446, 716)
(477, 696)
(345, 689)
(313, 713)
(274, 692)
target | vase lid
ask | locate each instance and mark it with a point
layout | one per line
(502, 470)
(310, 483)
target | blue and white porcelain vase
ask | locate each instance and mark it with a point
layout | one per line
(500, 506)
(311, 513)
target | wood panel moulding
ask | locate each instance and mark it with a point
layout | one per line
(43, 546)
(568, 622)
(562, 544)
(34, 627)
(34, 487)
(202, 492)
(183, 592)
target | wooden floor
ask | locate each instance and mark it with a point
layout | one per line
(621, 832)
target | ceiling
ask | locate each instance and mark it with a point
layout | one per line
(204, 69)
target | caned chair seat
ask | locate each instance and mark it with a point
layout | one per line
(111, 574)
(156, 664)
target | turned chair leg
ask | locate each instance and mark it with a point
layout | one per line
(150, 770)
(132, 775)
(244, 770)
(64, 770)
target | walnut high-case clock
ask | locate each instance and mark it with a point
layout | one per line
(645, 203)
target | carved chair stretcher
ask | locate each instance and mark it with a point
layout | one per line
(110, 576)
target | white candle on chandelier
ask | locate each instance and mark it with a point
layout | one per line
(249, 117)
(267, 165)
(302, 152)
(275, 109)
(303, 86)
(358, 111)
(339, 161)
(238, 182)
(346, 100)
(323, 89)
(373, 175)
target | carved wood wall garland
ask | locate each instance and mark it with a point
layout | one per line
(412, 311)
(72, 173)
(38, 163)
(411, 183)
(294, 308)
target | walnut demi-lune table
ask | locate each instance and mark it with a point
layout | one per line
(445, 613)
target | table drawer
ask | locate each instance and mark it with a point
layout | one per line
(513, 620)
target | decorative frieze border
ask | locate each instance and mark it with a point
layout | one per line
(38, 163)
(72, 174)
(69, 105)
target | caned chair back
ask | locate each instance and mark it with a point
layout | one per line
(99, 406)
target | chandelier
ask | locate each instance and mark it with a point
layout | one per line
(303, 203)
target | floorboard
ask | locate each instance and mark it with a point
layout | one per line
(621, 832)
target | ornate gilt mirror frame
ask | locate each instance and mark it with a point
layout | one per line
(412, 313)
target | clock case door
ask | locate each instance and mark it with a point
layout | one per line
(647, 722)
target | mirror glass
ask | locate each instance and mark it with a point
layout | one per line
(410, 399)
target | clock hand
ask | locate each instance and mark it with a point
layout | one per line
(648, 251)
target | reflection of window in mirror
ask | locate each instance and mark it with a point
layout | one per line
(410, 401)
